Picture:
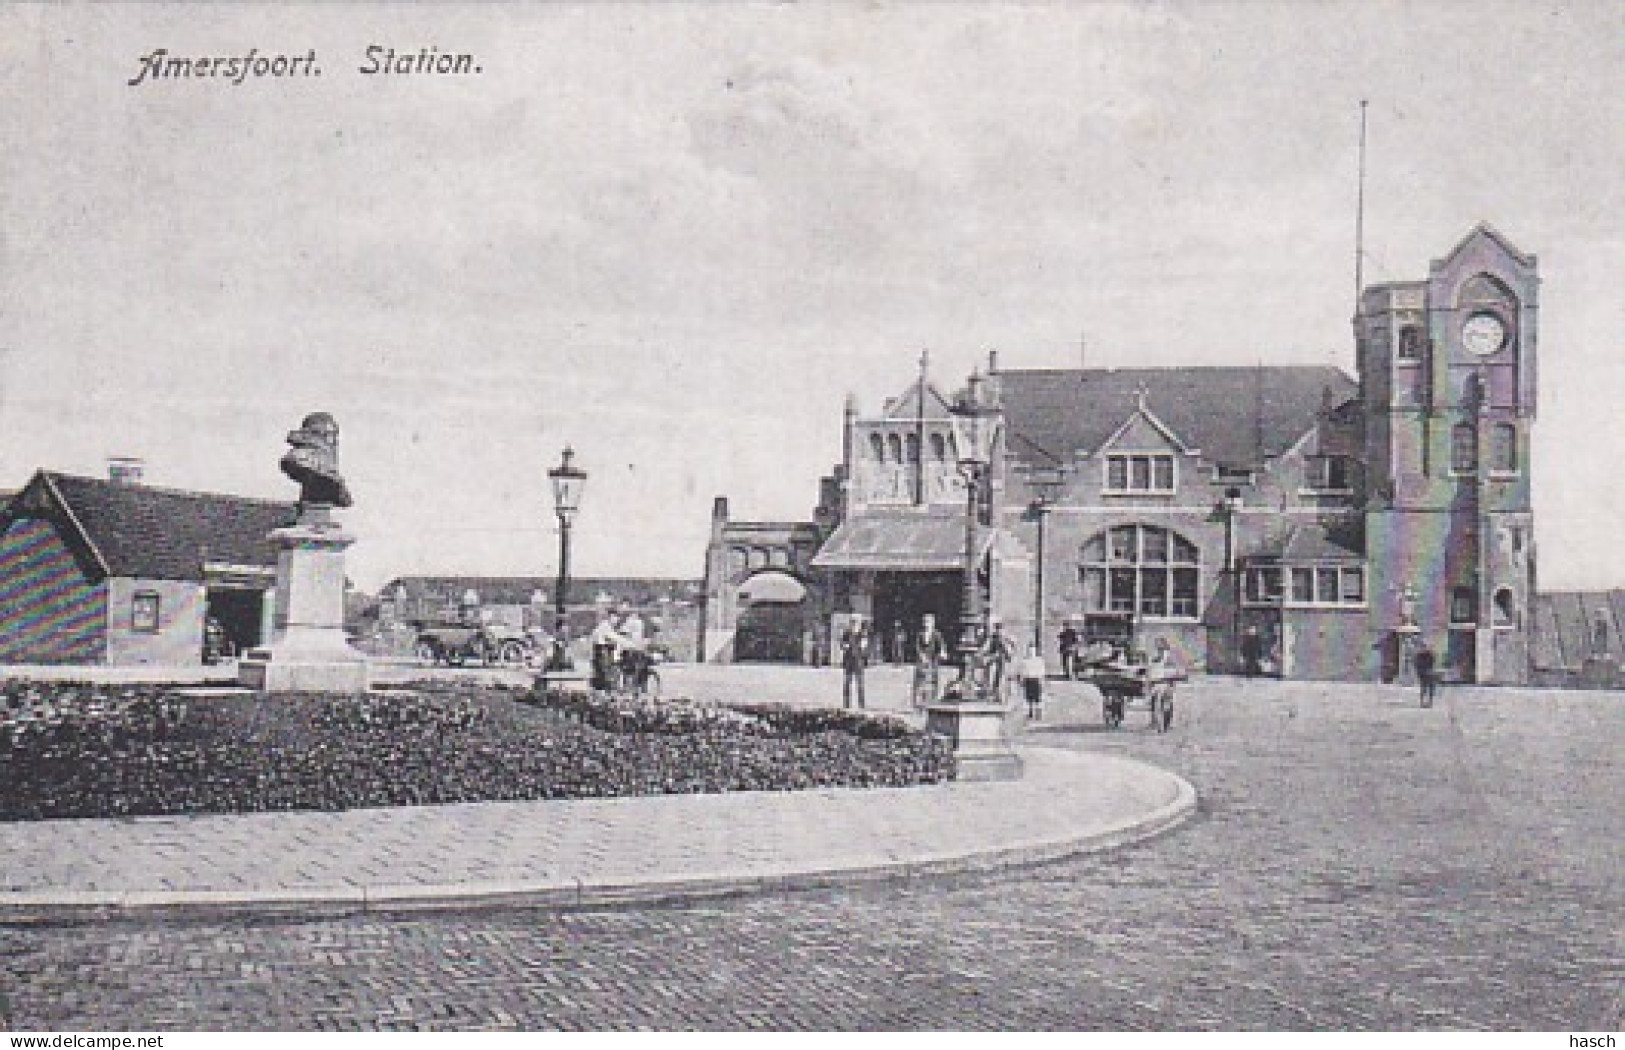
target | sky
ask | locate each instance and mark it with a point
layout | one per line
(676, 237)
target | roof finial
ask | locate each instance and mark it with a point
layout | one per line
(1141, 392)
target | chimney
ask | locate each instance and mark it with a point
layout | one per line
(125, 470)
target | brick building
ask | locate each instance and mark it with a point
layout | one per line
(1343, 518)
(112, 571)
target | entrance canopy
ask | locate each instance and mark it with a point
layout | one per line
(772, 587)
(900, 542)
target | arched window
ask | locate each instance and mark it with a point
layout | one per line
(1506, 610)
(1140, 569)
(758, 557)
(1504, 449)
(1463, 448)
(894, 445)
(877, 447)
(939, 447)
(914, 448)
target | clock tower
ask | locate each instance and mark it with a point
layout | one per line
(1447, 370)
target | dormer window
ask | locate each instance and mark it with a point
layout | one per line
(1140, 473)
(1328, 474)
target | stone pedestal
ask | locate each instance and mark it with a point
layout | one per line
(308, 652)
(981, 745)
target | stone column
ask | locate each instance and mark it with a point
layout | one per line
(308, 651)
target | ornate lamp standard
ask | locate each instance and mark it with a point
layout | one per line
(966, 715)
(568, 481)
(976, 427)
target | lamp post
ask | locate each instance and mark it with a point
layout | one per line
(970, 719)
(1232, 511)
(568, 481)
(1039, 509)
(976, 426)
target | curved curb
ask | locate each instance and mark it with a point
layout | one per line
(65, 907)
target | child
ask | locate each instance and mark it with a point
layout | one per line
(1031, 671)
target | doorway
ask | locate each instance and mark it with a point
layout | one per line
(238, 610)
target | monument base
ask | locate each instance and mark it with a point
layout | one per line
(277, 670)
(310, 653)
(982, 750)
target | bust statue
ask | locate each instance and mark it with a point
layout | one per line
(313, 462)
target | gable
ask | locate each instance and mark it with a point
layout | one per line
(1142, 433)
(922, 400)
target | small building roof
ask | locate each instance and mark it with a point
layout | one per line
(142, 531)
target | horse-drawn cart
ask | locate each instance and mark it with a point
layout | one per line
(1126, 685)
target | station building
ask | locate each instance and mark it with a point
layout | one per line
(1344, 519)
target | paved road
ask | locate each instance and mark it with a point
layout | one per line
(1358, 863)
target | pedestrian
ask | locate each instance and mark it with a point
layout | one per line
(1161, 674)
(1031, 672)
(930, 649)
(998, 652)
(1427, 673)
(633, 656)
(1069, 649)
(1252, 652)
(854, 658)
(899, 642)
(606, 644)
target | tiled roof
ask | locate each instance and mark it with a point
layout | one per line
(167, 534)
(922, 400)
(1304, 542)
(1566, 628)
(1234, 415)
(898, 541)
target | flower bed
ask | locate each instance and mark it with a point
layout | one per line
(91, 751)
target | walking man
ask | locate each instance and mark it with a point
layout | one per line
(854, 658)
(1031, 671)
(998, 652)
(1427, 673)
(1069, 648)
(1252, 653)
(930, 649)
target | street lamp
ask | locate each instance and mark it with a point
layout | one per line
(976, 426)
(1039, 509)
(1232, 512)
(568, 481)
(971, 721)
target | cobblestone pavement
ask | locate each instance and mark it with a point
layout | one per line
(1358, 863)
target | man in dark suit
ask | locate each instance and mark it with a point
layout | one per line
(854, 658)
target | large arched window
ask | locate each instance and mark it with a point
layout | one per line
(1140, 569)
(877, 447)
(894, 444)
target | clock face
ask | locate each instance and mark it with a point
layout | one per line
(1483, 334)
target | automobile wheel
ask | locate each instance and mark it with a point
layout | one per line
(512, 654)
(426, 652)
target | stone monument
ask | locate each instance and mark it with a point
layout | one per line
(308, 651)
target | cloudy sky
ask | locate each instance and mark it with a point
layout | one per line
(677, 236)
